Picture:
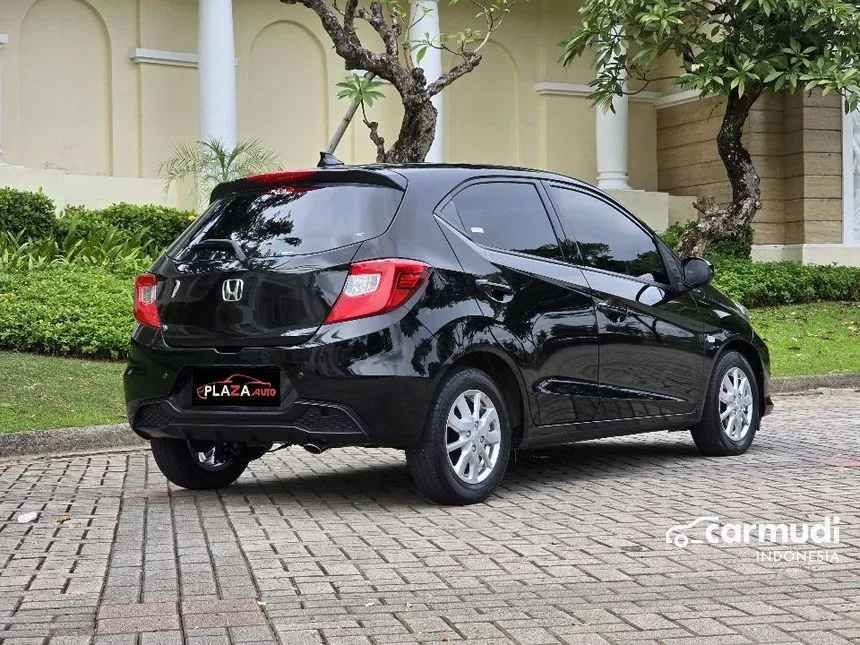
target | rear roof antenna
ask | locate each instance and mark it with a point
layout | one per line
(328, 160)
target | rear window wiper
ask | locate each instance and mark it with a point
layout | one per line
(223, 245)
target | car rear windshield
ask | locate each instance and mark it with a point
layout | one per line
(296, 220)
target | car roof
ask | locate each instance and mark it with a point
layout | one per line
(476, 170)
(394, 175)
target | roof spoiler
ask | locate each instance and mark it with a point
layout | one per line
(329, 174)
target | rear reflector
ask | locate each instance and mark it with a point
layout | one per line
(145, 305)
(376, 287)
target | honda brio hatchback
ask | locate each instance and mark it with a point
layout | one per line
(456, 312)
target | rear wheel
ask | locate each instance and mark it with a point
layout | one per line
(731, 413)
(467, 441)
(198, 465)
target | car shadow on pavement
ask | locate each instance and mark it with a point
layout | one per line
(390, 483)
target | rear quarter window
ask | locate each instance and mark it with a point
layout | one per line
(505, 215)
(287, 221)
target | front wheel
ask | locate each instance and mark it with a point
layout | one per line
(198, 465)
(467, 441)
(731, 414)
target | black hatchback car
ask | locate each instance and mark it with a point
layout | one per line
(456, 312)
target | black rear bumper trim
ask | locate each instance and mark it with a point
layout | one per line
(305, 421)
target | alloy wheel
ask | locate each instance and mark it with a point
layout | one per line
(473, 436)
(210, 456)
(736, 404)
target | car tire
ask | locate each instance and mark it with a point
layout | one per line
(176, 460)
(730, 419)
(467, 474)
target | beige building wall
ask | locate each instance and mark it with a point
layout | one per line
(795, 142)
(76, 101)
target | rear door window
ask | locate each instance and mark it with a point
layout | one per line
(288, 221)
(505, 215)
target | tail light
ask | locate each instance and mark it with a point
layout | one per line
(145, 306)
(376, 287)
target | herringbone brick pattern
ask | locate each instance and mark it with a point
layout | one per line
(340, 549)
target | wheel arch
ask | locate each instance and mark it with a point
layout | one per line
(749, 352)
(506, 377)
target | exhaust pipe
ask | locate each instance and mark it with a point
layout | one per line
(315, 448)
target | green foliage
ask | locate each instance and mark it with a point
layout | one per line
(150, 228)
(759, 284)
(210, 163)
(721, 248)
(468, 40)
(724, 45)
(66, 309)
(103, 248)
(21, 210)
(358, 88)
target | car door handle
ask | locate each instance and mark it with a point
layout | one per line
(499, 291)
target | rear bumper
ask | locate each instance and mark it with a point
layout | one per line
(301, 423)
(372, 389)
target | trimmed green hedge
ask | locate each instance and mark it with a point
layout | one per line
(760, 284)
(156, 227)
(87, 311)
(21, 210)
(67, 309)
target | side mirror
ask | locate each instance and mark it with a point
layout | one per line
(697, 272)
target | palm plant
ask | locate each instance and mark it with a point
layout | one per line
(211, 162)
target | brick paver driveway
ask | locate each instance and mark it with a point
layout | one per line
(339, 548)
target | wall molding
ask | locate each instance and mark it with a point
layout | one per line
(810, 246)
(582, 90)
(145, 56)
(659, 100)
(813, 253)
(680, 98)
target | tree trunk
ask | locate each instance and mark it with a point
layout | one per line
(728, 222)
(417, 131)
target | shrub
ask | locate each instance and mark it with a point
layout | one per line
(66, 309)
(758, 284)
(107, 249)
(32, 213)
(720, 248)
(153, 227)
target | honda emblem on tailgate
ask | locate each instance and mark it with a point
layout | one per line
(232, 289)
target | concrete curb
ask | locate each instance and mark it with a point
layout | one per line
(796, 384)
(67, 441)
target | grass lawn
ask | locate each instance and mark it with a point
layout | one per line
(38, 392)
(820, 338)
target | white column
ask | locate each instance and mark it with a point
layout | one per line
(612, 145)
(431, 64)
(4, 40)
(217, 71)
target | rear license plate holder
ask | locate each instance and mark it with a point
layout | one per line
(236, 387)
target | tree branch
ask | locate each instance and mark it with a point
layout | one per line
(349, 17)
(377, 139)
(470, 61)
(350, 49)
(376, 19)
